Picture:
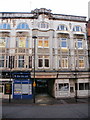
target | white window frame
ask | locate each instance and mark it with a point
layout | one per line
(64, 58)
(43, 61)
(43, 39)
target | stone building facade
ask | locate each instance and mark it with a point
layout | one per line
(61, 53)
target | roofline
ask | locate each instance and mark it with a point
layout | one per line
(32, 13)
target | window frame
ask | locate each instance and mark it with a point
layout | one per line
(23, 26)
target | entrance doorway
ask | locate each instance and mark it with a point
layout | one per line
(41, 86)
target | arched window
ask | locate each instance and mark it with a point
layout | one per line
(77, 28)
(4, 26)
(62, 27)
(43, 25)
(23, 26)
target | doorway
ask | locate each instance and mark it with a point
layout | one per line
(41, 86)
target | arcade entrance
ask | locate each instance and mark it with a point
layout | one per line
(41, 86)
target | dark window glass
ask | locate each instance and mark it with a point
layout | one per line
(40, 63)
(30, 61)
(86, 86)
(81, 86)
(46, 63)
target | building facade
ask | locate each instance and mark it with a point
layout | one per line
(61, 54)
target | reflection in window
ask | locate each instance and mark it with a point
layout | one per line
(64, 87)
(23, 26)
(5, 26)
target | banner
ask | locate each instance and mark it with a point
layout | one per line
(2, 42)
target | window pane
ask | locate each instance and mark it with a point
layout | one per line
(79, 44)
(60, 87)
(81, 63)
(40, 63)
(46, 43)
(86, 86)
(40, 43)
(81, 86)
(46, 63)
(63, 44)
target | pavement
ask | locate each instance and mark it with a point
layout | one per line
(46, 99)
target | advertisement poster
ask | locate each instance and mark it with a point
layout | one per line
(17, 89)
(22, 41)
(8, 88)
(2, 42)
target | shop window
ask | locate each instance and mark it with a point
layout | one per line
(64, 87)
(5, 26)
(81, 86)
(84, 86)
(23, 26)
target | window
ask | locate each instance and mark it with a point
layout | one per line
(1, 60)
(63, 42)
(81, 61)
(63, 87)
(43, 42)
(64, 63)
(43, 61)
(30, 61)
(77, 29)
(79, 44)
(62, 27)
(5, 26)
(83, 86)
(22, 42)
(21, 61)
(43, 25)
(4, 42)
(23, 26)
(11, 61)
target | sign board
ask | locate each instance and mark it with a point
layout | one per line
(8, 88)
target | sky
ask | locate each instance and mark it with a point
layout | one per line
(69, 7)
